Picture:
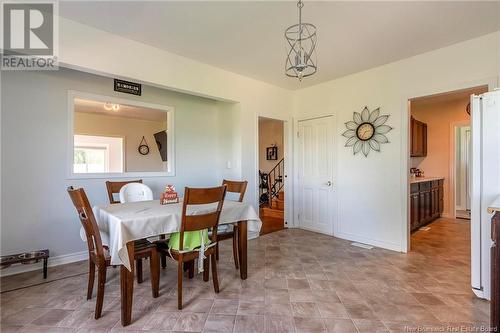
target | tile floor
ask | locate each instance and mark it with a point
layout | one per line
(298, 281)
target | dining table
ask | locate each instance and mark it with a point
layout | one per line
(122, 223)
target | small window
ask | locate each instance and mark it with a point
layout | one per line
(97, 154)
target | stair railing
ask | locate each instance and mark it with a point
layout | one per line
(275, 179)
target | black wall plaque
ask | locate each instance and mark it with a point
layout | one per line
(128, 87)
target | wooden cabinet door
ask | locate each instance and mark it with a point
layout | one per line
(414, 138)
(435, 202)
(422, 211)
(441, 197)
(418, 135)
(423, 141)
(414, 211)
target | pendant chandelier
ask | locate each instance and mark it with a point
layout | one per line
(301, 49)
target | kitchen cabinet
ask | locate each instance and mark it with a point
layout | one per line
(426, 202)
(418, 135)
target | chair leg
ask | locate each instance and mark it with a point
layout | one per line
(138, 265)
(154, 271)
(163, 260)
(179, 284)
(191, 269)
(214, 273)
(90, 286)
(101, 282)
(217, 251)
(235, 249)
(206, 269)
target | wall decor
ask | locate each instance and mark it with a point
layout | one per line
(272, 153)
(366, 131)
(143, 147)
(128, 87)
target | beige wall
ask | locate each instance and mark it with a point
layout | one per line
(440, 118)
(270, 133)
(132, 131)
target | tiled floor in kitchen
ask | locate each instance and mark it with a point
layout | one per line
(298, 281)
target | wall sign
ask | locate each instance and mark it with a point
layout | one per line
(128, 87)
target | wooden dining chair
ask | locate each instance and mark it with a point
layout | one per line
(197, 222)
(115, 188)
(98, 254)
(240, 188)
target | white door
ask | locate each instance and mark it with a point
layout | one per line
(315, 175)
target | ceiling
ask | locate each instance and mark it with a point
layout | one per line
(246, 37)
(125, 111)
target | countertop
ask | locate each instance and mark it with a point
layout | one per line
(495, 206)
(414, 180)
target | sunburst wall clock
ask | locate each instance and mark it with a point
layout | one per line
(366, 131)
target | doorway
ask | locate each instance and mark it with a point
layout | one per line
(315, 170)
(439, 139)
(272, 175)
(440, 160)
(462, 171)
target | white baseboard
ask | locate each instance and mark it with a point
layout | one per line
(53, 261)
(369, 241)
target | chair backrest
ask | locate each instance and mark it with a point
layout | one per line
(201, 196)
(135, 192)
(88, 220)
(234, 186)
(114, 188)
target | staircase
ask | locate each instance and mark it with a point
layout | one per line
(272, 194)
(276, 208)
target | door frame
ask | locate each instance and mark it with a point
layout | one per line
(335, 214)
(287, 152)
(454, 126)
(491, 82)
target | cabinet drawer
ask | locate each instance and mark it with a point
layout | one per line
(424, 186)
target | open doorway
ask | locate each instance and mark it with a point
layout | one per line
(271, 174)
(440, 157)
(462, 170)
(439, 201)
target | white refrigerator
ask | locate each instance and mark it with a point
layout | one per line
(485, 184)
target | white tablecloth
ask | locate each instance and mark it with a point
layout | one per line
(121, 223)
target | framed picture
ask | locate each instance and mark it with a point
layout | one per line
(272, 153)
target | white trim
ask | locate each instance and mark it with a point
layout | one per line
(72, 94)
(287, 153)
(452, 200)
(491, 82)
(369, 241)
(463, 152)
(52, 262)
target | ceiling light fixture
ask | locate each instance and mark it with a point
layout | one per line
(301, 57)
(111, 106)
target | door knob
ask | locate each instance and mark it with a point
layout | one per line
(328, 183)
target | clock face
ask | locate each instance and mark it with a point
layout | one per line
(144, 149)
(365, 131)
